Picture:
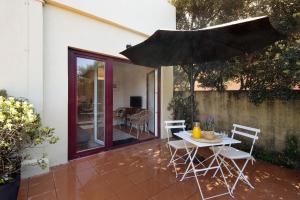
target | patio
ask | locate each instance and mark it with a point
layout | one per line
(139, 172)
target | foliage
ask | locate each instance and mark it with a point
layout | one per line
(20, 128)
(180, 79)
(274, 74)
(216, 75)
(291, 151)
(3, 93)
(288, 158)
(207, 123)
(271, 73)
(180, 108)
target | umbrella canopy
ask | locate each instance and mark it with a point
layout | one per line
(221, 42)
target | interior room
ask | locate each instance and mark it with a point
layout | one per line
(90, 104)
(134, 103)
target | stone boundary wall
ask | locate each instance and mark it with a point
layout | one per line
(275, 118)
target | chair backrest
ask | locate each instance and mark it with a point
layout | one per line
(146, 116)
(245, 131)
(174, 124)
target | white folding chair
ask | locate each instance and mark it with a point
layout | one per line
(233, 154)
(175, 145)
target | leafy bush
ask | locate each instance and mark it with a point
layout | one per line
(180, 108)
(3, 93)
(288, 158)
(291, 151)
(20, 128)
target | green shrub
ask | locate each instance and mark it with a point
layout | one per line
(291, 150)
(180, 108)
(3, 93)
(20, 128)
(287, 158)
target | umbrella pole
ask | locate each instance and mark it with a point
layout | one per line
(192, 84)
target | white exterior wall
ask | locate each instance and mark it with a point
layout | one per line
(34, 49)
(21, 49)
(145, 16)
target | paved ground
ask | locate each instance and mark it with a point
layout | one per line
(139, 172)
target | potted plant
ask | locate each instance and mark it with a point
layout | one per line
(20, 128)
(207, 123)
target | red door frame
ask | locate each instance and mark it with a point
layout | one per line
(72, 93)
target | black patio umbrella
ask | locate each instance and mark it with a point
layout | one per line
(221, 42)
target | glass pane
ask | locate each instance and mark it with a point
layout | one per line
(90, 104)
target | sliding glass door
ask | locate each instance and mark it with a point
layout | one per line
(90, 123)
(90, 103)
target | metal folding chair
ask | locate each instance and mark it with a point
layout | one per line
(176, 145)
(233, 154)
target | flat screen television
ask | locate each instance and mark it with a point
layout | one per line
(136, 101)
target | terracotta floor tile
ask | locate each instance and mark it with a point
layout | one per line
(106, 167)
(120, 185)
(71, 194)
(40, 179)
(51, 195)
(139, 172)
(41, 187)
(85, 175)
(81, 164)
(132, 193)
(141, 176)
(69, 184)
(152, 187)
(23, 193)
(100, 191)
(24, 183)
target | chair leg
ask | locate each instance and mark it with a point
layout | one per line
(172, 160)
(137, 133)
(130, 129)
(224, 163)
(240, 174)
(119, 123)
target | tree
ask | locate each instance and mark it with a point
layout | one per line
(195, 14)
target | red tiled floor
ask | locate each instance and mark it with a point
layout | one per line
(139, 172)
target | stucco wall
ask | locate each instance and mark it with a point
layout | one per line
(276, 119)
(142, 15)
(21, 49)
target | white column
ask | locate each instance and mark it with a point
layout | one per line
(166, 94)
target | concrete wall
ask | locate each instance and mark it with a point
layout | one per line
(276, 119)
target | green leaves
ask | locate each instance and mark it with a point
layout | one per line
(20, 128)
